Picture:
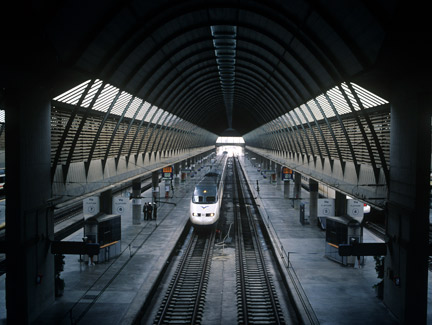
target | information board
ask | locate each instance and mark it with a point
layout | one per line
(287, 174)
(120, 205)
(91, 206)
(355, 209)
(326, 207)
(167, 172)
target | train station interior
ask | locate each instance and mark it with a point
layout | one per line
(319, 110)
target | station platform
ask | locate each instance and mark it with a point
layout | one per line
(337, 294)
(112, 292)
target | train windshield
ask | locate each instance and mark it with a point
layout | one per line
(204, 195)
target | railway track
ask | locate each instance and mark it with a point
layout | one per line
(185, 297)
(257, 301)
(193, 291)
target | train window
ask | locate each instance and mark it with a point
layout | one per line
(198, 199)
(210, 199)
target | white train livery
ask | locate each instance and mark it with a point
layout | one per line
(207, 196)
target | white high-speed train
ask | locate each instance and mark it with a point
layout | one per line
(207, 196)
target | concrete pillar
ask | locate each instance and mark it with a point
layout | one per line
(287, 189)
(177, 174)
(406, 263)
(313, 201)
(30, 264)
(155, 187)
(105, 201)
(136, 204)
(340, 204)
(297, 190)
(278, 174)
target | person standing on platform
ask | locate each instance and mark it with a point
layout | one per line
(145, 210)
(155, 211)
(150, 210)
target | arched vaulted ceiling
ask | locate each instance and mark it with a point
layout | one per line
(217, 64)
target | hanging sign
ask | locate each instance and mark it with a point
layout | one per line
(287, 174)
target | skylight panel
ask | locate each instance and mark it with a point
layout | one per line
(73, 95)
(306, 112)
(121, 103)
(143, 111)
(325, 106)
(350, 96)
(281, 123)
(92, 92)
(315, 110)
(368, 98)
(105, 99)
(150, 114)
(134, 106)
(299, 115)
(288, 120)
(338, 101)
(173, 121)
(292, 118)
(157, 116)
(230, 140)
(170, 119)
(162, 119)
(276, 124)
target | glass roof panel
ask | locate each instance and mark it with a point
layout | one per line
(230, 140)
(150, 114)
(315, 110)
(92, 92)
(121, 103)
(137, 102)
(305, 111)
(105, 98)
(350, 96)
(368, 98)
(339, 101)
(325, 106)
(143, 111)
(73, 95)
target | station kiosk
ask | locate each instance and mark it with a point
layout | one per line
(342, 230)
(105, 230)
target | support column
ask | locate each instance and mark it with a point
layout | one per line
(29, 220)
(278, 174)
(287, 189)
(176, 174)
(155, 187)
(313, 201)
(406, 263)
(136, 202)
(106, 202)
(297, 190)
(340, 204)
